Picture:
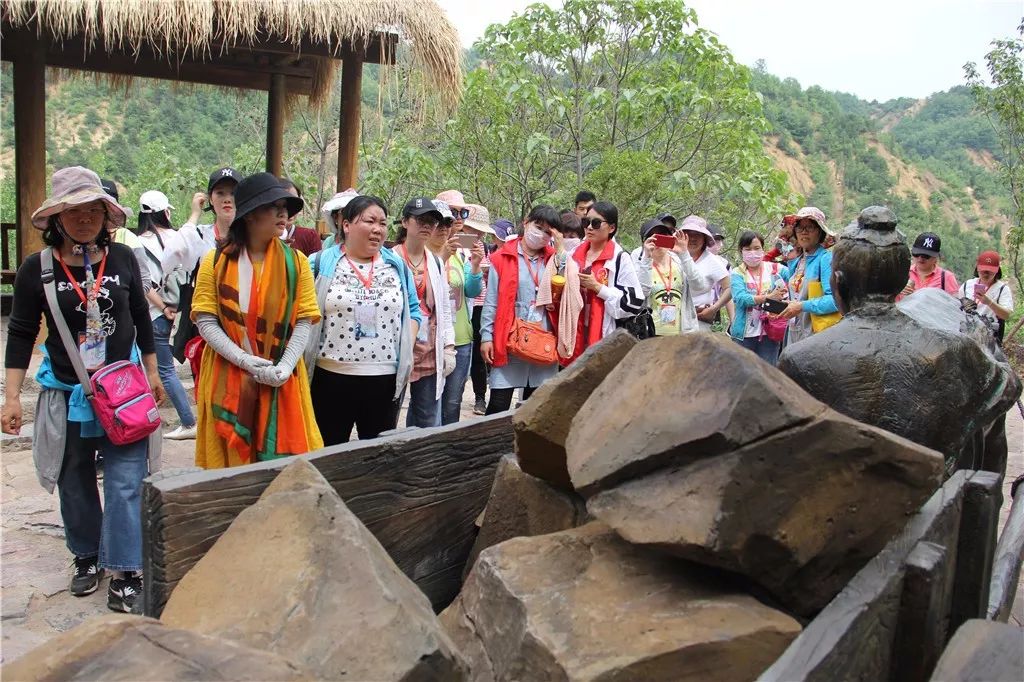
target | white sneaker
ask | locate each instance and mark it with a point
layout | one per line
(182, 433)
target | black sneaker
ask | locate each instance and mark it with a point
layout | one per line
(124, 592)
(87, 576)
(480, 407)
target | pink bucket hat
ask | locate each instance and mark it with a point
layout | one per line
(72, 187)
(815, 214)
(694, 223)
(453, 198)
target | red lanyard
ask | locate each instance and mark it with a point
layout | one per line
(529, 268)
(668, 282)
(421, 281)
(74, 282)
(368, 281)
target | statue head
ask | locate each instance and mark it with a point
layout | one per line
(871, 261)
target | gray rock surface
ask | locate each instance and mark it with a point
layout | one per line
(542, 423)
(585, 605)
(677, 399)
(130, 648)
(522, 505)
(297, 574)
(799, 512)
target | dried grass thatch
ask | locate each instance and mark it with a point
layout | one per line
(193, 27)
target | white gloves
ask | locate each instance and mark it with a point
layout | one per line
(272, 375)
(449, 360)
(250, 364)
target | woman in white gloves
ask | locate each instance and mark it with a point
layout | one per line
(254, 304)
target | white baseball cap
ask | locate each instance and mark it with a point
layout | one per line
(153, 201)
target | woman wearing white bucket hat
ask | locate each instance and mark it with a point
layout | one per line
(98, 293)
(331, 213)
(712, 268)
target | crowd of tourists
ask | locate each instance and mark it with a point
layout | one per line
(294, 340)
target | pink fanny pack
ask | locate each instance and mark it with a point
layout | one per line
(123, 403)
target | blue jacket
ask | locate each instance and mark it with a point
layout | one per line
(323, 264)
(819, 267)
(743, 299)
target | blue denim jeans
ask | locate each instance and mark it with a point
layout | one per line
(455, 384)
(765, 348)
(424, 408)
(113, 531)
(168, 377)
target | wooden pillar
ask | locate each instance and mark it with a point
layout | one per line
(275, 124)
(29, 138)
(348, 127)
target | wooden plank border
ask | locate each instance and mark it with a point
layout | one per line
(418, 491)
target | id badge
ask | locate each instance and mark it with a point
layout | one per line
(535, 314)
(366, 321)
(423, 335)
(668, 314)
(93, 350)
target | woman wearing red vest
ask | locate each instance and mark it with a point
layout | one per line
(611, 288)
(512, 288)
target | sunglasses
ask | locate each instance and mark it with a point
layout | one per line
(458, 213)
(592, 223)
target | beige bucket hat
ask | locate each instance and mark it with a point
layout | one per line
(72, 187)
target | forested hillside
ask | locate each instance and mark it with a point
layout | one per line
(933, 160)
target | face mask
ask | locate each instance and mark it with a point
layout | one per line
(572, 243)
(535, 237)
(753, 258)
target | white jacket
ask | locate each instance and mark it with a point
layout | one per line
(445, 322)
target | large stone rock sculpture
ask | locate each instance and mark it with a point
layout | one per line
(123, 647)
(542, 423)
(297, 574)
(677, 399)
(584, 604)
(799, 511)
(936, 386)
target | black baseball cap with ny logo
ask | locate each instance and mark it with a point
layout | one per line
(221, 175)
(927, 244)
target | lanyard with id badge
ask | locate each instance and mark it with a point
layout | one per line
(535, 314)
(366, 309)
(423, 335)
(668, 313)
(92, 343)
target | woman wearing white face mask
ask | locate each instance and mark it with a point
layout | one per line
(513, 286)
(753, 283)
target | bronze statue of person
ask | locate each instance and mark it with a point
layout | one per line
(917, 369)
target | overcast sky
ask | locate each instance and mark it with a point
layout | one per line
(875, 49)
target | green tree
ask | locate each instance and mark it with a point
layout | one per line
(1003, 104)
(564, 96)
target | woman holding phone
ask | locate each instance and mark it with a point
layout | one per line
(993, 296)
(464, 284)
(753, 283)
(667, 277)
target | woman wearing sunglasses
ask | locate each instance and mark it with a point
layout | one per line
(611, 288)
(434, 351)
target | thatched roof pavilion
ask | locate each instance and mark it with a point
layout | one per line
(285, 47)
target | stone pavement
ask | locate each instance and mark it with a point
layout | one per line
(35, 565)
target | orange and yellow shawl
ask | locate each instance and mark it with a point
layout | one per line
(258, 422)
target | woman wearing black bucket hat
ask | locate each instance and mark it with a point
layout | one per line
(254, 304)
